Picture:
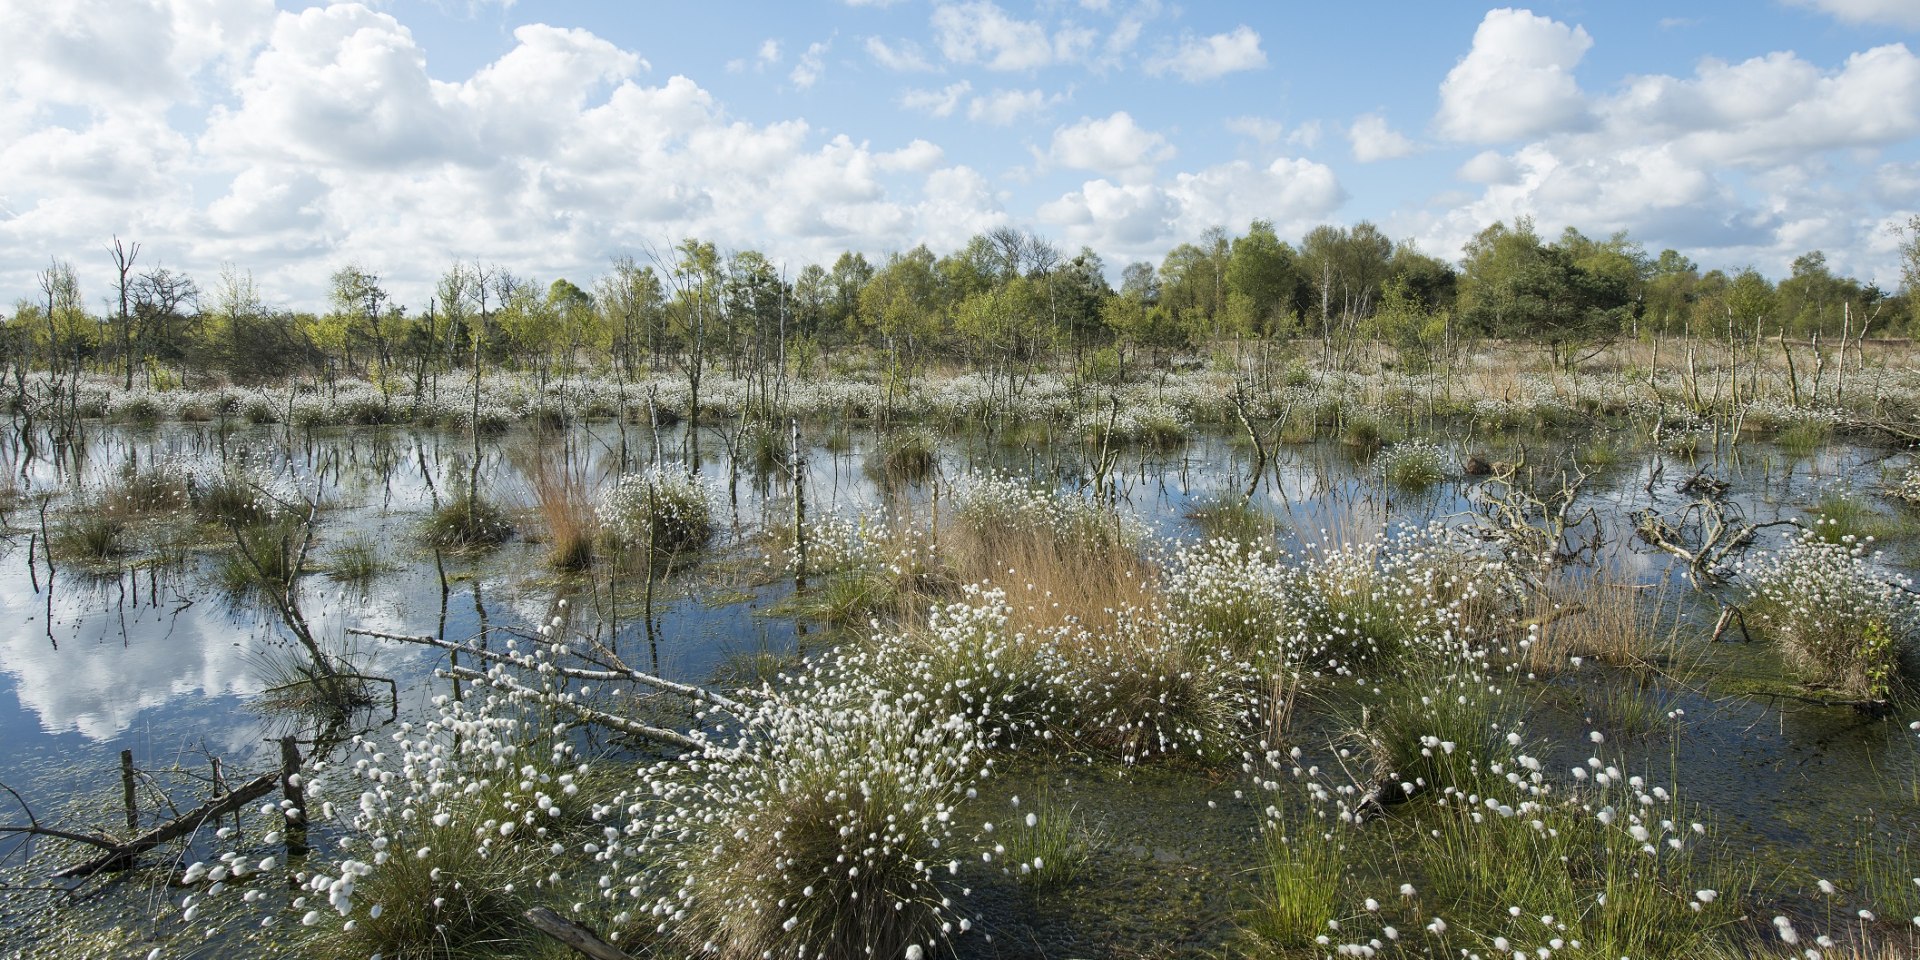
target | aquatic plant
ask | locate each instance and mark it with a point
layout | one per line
(267, 556)
(908, 453)
(1841, 619)
(820, 824)
(1412, 465)
(355, 560)
(1235, 518)
(1906, 488)
(242, 495)
(1300, 881)
(1042, 844)
(565, 502)
(1842, 516)
(466, 521)
(1243, 599)
(90, 534)
(659, 510)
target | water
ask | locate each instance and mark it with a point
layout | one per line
(150, 654)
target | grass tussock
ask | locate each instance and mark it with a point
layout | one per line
(90, 535)
(1840, 516)
(1599, 616)
(1061, 559)
(265, 556)
(1234, 518)
(907, 454)
(1300, 879)
(355, 560)
(1842, 622)
(468, 521)
(1044, 845)
(564, 500)
(1412, 465)
(659, 513)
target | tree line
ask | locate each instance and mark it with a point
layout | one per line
(1007, 300)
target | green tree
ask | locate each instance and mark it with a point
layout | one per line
(901, 304)
(1260, 269)
(1672, 289)
(632, 303)
(1343, 270)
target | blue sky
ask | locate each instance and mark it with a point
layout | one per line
(549, 136)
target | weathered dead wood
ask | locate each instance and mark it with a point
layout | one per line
(121, 855)
(584, 712)
(579, 938)
(622, 671)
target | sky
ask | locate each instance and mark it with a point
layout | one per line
(289, 139)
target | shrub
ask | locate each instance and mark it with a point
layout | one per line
(259, 411)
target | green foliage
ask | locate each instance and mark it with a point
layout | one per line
(1300, 887)
(1044, 845)
(355, 560)
(90, 534)
(1235, 519)
(659, 512)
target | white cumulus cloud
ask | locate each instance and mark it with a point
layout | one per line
(1004, 107)
(902, 55)
(983, 33)
(939, 103)
(1516, 81)
(1114, 145)
(1899, 13)
(1199, 59)
(1373, 139)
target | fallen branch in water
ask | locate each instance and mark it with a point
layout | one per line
(121, 855)
(618, 671)
(584, 712)
(582, 940)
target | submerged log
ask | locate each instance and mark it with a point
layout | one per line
(582, 940)
(121, 855)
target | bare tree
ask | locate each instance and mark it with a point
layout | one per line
(124, 254)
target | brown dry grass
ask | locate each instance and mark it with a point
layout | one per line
(1052, 582)
(1602, 615)
(563, 497)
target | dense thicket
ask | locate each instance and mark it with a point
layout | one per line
(1007, 300)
